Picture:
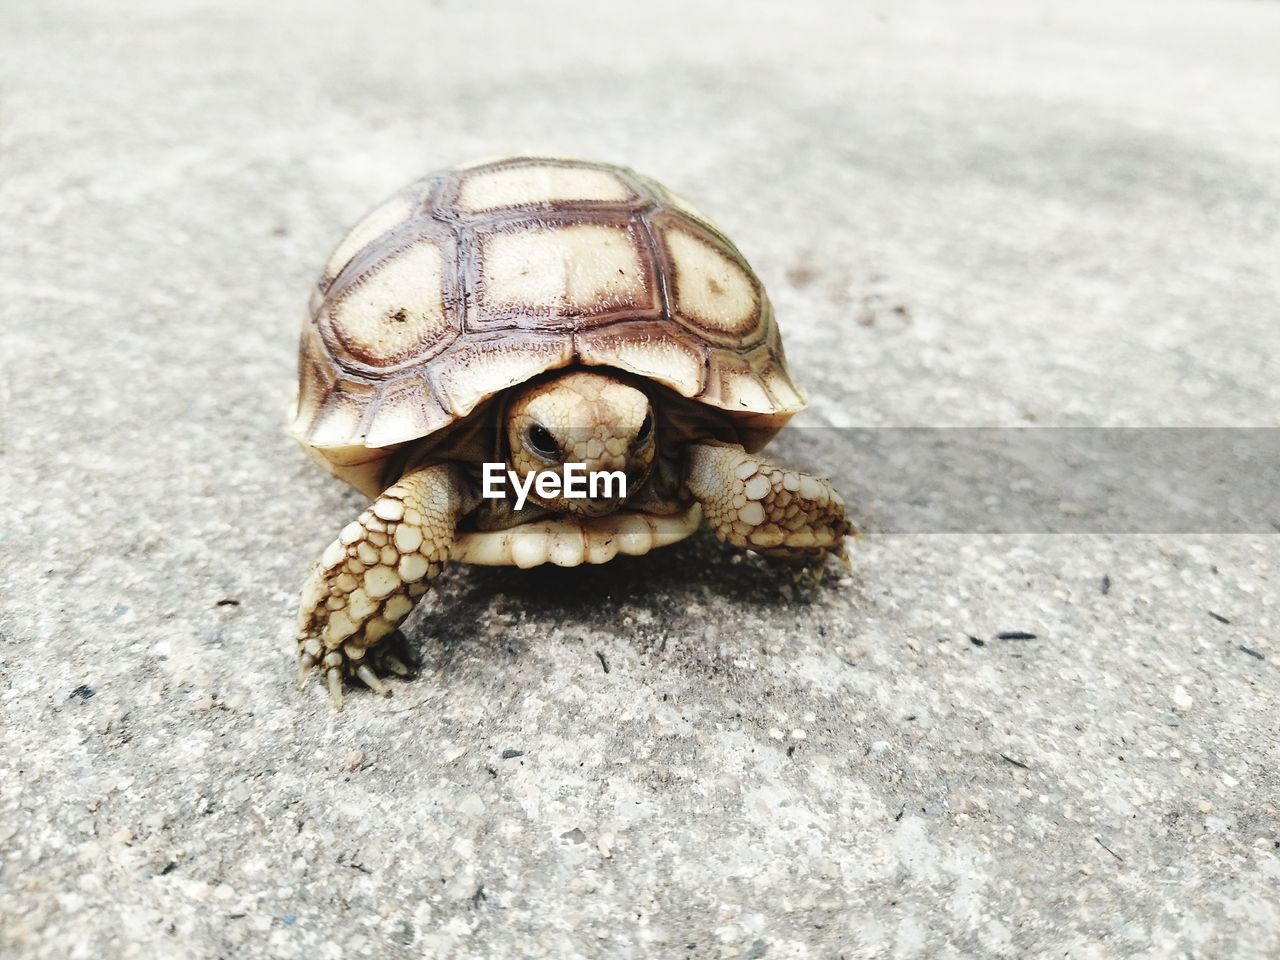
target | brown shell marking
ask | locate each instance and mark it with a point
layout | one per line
(506, 187)
(481, 277)
(712, 292)
(558, 270)
(396, 311)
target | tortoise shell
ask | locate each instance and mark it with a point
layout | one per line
(478, 278)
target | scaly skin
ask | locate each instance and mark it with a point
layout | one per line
(371, 577)
(751, 503)
(594, 420)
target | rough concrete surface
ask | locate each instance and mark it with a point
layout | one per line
(985, 213)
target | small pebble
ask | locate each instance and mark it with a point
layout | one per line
(353, 761)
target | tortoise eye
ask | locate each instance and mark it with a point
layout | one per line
(541, 441)
(645, 432)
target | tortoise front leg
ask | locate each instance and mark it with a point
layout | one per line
(757, 505)
(369, 579)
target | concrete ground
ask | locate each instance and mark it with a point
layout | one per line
(978, 213)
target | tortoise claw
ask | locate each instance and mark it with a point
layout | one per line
(846, 561)
(395, 665)
(335, 687)
(348, 663)
(371, 680)
(306, 663)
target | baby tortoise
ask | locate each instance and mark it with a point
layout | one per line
(534, 312)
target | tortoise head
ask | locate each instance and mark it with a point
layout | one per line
(584, 418)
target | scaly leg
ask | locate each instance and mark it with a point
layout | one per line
(369, 579)
(757, 505)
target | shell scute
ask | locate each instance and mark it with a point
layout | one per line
(477, 368)
(395, 307)
(407, 408)
(384, 218)
(656, 350)
(316, 379)
(531, 184)
(563, 273)
(340, 416)
(711, 291)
